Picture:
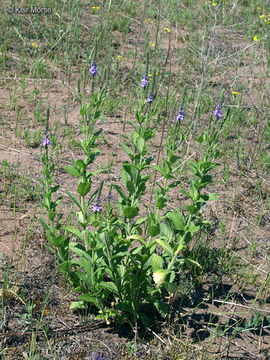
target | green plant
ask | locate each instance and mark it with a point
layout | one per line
(107, 257)
(26, 318)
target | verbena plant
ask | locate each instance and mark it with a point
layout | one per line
(117, 260)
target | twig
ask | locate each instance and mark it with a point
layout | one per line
(51, 331)
(156, 335)
(236, 304)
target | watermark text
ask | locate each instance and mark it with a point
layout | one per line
(28, 10)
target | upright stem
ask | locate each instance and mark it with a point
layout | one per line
(180, 245)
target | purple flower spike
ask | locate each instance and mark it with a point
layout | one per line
(97, 207)
(96, 356)
(46, 140)
(218, 112)
(145, 80)
(93, 68)
(149, 99)
(109, 196)
(181, 114)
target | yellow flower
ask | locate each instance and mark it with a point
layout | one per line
(152, 22)
(167, 29)
(214, 4)
(258, 8)
(152, 44)
(125, 58)
(96, 7)
(34, 45)
(236, 93)
(119, 57)
(145, 20)
(159, 276)
(262, 16)
(255, 38)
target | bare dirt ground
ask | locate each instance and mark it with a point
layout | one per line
(32, 269)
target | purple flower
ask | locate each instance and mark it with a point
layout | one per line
(181, 114)
(46, 140)
(97, 206)
(96, 355)
(145, 80)
(218, 112)
(109, 196)
(93, 68)
(149, 99)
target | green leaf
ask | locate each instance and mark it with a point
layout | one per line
(192, 262)
(125, 176)
(134, 135)
(57, 241)
(165, 246)
(77, 305)
(146, 320)
(80, 164)
(172, 277)
(72, 170)
(130, 211)
(79, 250)
(97, 172)
(74, 199)
(193, 228)
(166, 230)
(177, 220)
(89, 298)
(184, 192)
(153, 230)
(42, 222)
(121, 192)
(140, 144)
(73, 231)
(206, 179)
(53, 189)
(193, 192)
(131, 170)
(97, 114)
(174, 184)
(156, 262)
(130, 187)
(191, 209)
(127, 150)
(159, 169)
(202, 138)
(167, 168)
(141, 220)
(160, 200)
(212, 197)
(84, 188)
(51, 215)
(138, 238)
(171, 287)
(110, 286)
(162, 308)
